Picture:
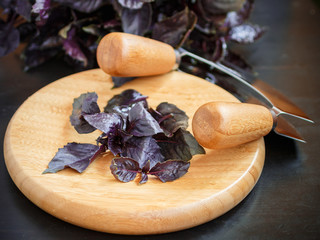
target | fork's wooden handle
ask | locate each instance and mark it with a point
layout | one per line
(128, 55)
(221, 124)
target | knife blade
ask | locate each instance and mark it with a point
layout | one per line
(276, 97)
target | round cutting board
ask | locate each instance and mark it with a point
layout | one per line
(216, 181)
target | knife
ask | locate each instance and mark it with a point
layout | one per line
(127, 55)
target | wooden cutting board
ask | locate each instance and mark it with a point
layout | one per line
(215, 183)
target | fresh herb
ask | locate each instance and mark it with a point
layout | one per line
(77, 156)
(144, 141)
(72, 29)
(126, 170)
(170, 118)
(85, 104)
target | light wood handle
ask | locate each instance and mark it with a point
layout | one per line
(218, 125)
(128, 55)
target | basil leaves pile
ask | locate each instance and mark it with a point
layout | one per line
(144, 141)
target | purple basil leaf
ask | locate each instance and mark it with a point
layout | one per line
(27, 30)
(144, 178)
(45, 44)
(5, 4)
(157, 116)
(133, 4)
(146, 167)
(182, 145)
(125, 99)
(172, 119)
(174, 30)
(141, 122)
(111, 24)
(123, 112)
(77, 156)
(85, 104)
(114, 145)
(34, 58)
(245, 33)
(73, 49)
(116, 141)
(89, 104)
(102, 139)
(59, 17)
(170, 170)
(119, 81)
(23, 7)
(144, 173)
(105, 122)
(136, 21)
(143, 149)
(85, 6)
(194, 147)
(9, 38)
(41, 7)
(124, 169)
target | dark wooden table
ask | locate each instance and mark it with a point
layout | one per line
(285, 204)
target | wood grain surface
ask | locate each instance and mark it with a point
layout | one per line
(129, 55)
(215, 183)
(218, 125)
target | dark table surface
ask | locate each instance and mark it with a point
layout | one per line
(285, 203)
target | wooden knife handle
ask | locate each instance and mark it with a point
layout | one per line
(224, 124)
(128, 55)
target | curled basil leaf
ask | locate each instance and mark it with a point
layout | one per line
(141, 122)
(170, 170)
(136, 21)
(172, 118)
(105, 122)
(125, 100)
(86, 103)
(124, 169)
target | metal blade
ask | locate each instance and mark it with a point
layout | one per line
(284, 128)
(276, 97)
(280, 100)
